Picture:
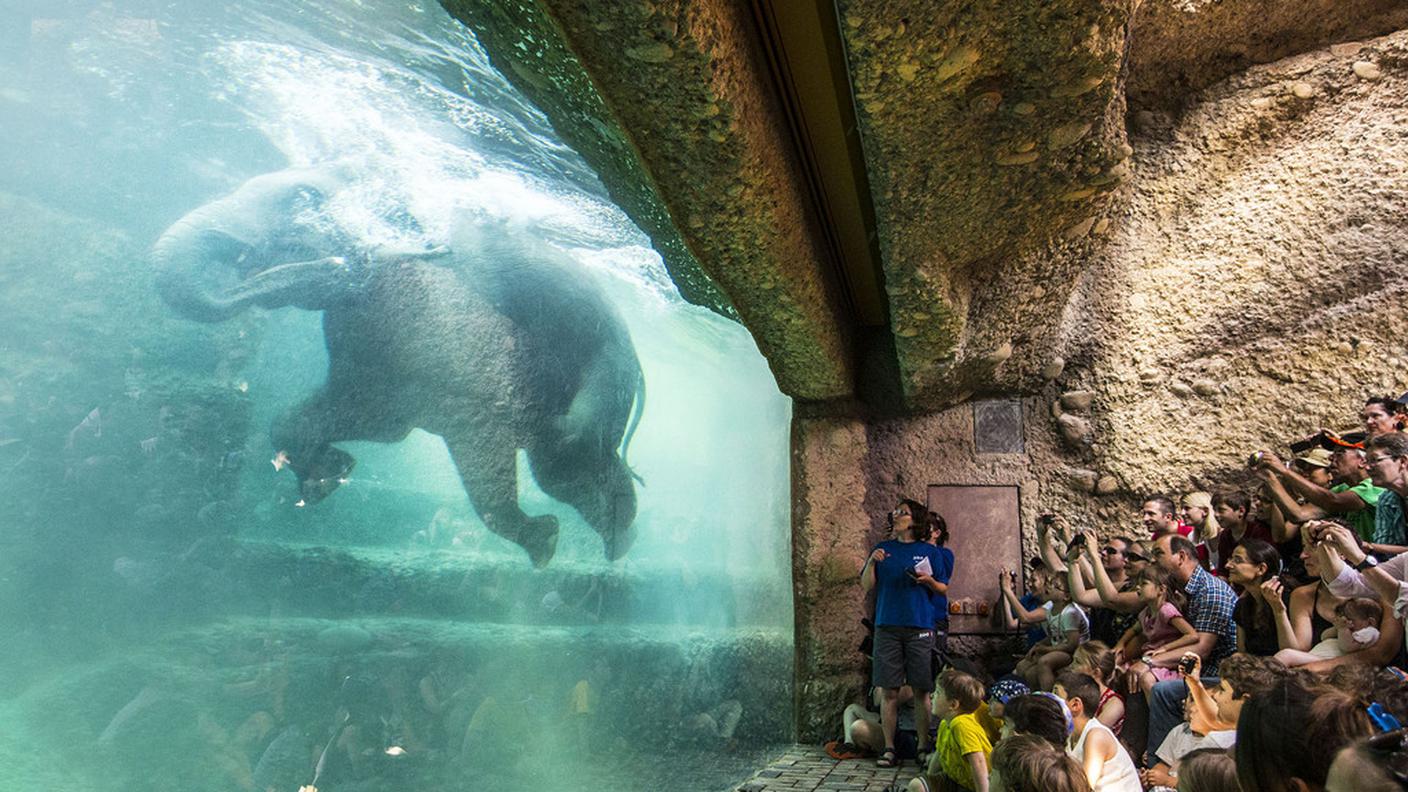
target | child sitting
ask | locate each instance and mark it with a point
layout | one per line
(1042, 715)
(862, 734)
(1356, 627)
(1098, 660)
(1066, 628)
(962, 747)
(1198, 730)
(1026, 763)
(1107, 765)
(1149, 650)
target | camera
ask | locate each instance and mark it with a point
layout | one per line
(1047, 519)
(1255, 459)
(1078, 541)
(1187, 664)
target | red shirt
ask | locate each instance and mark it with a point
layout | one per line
(1226, 542)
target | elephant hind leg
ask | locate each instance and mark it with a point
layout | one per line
(489, 471)
(598, 485)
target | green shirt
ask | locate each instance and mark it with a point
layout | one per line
(1362, 520)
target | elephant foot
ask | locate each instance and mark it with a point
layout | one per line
(327, 472)
(618, 542)
(539, 537)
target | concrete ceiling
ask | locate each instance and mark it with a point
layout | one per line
(895, 196)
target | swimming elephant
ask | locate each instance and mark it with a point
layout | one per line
(495, 348)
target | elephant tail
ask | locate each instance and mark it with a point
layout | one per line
(633, 425)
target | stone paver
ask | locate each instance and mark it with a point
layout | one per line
(807, 768)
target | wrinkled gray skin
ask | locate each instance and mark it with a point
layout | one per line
(495, 349)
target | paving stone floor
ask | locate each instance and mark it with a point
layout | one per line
(802, 768)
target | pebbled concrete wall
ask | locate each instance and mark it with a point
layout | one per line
(670, 103)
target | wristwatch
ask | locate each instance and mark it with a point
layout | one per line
(1369, 562)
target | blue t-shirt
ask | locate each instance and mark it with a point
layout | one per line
(899, 600)
(1037, 632)
(942, 572)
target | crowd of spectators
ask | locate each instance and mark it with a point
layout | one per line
(1247, 639)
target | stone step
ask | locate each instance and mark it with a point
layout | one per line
(324, 581)
(199, 699)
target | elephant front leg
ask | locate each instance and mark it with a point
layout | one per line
(489, 470)
(303, 437)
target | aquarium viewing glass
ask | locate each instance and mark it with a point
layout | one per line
(350, 436)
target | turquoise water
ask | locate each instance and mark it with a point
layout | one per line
(174, 619)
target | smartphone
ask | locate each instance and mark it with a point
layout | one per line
(1187, 664)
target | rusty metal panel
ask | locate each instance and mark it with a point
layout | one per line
(985, 535)
(997, 426)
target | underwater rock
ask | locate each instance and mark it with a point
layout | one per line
(344, 638)
(285, 762)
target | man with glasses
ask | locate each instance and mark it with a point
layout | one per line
(1353, 494)
(1102, 582)
(901, 571)
(1388, 468)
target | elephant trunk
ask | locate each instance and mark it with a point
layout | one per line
(190, 265)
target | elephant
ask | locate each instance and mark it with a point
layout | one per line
(496, 348)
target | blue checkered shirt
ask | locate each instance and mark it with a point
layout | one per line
(1210, 605)
(1388, 519)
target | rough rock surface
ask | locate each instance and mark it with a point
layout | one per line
(1181, 46)
(669, 103)
(1261, 262)
(989, 132)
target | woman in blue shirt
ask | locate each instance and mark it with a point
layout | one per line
(902, 573)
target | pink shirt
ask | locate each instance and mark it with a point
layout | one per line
(1158, 628)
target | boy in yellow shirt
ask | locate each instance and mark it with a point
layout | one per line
(962, 748)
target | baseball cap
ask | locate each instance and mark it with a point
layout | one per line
(1315, 457)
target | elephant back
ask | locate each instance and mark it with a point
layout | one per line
(561, 317)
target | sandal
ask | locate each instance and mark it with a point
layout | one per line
(888, 758)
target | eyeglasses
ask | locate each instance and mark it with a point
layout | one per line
(1110, 551)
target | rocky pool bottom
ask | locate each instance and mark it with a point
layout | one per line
(382, 692)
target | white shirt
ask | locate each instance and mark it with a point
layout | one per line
(1119, 773)
(1350, 583)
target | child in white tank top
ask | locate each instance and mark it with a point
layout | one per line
(1107, 764)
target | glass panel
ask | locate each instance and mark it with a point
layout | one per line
(313, 339)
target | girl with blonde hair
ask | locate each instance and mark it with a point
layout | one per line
(1196, 510)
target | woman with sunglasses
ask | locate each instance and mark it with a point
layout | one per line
(901, 571)
(1101, 581)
